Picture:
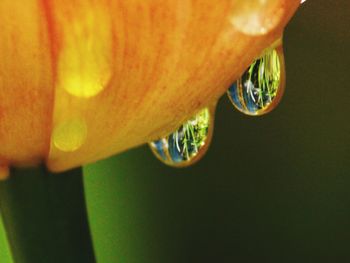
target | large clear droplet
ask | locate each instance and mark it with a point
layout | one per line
(188, 143)
(260, 88)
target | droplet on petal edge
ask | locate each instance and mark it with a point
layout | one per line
(188, 143)
(261, 87)
(4, 172)
(256, 17)
(69, 136)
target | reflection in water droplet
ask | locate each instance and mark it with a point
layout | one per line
(70, 135)
(261, 86)
(302, 1)
(256, 17)
(188, 143)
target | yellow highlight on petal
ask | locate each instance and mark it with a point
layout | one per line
(70, 135)
(84, 62)
(83, 86)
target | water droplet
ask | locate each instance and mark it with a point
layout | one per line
(188, 143)
(70, 135)
(261, 86)
(302, 1)
(256, 17)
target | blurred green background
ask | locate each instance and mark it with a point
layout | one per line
(270, 189)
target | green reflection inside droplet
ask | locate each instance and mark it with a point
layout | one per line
(261, 86)
(187, 144)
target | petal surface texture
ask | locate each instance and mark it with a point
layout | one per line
(81, 80)
(26, 90)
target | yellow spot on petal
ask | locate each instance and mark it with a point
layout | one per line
(83, 86)
(84, 63)
(69, 136)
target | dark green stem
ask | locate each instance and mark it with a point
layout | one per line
(45, 216)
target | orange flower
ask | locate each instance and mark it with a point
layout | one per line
(81, 80)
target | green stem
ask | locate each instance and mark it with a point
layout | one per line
(45, 216)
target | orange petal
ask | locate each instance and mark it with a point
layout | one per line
(26, 91)
(128, 72)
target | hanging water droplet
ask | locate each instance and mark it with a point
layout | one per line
(188, 143)
(261, 86)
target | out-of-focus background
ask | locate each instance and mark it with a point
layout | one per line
(270, 189)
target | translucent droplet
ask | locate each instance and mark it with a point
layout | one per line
(261, 86)
(256, 17)
(188, 143)
(70, 135)
(302, 1)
